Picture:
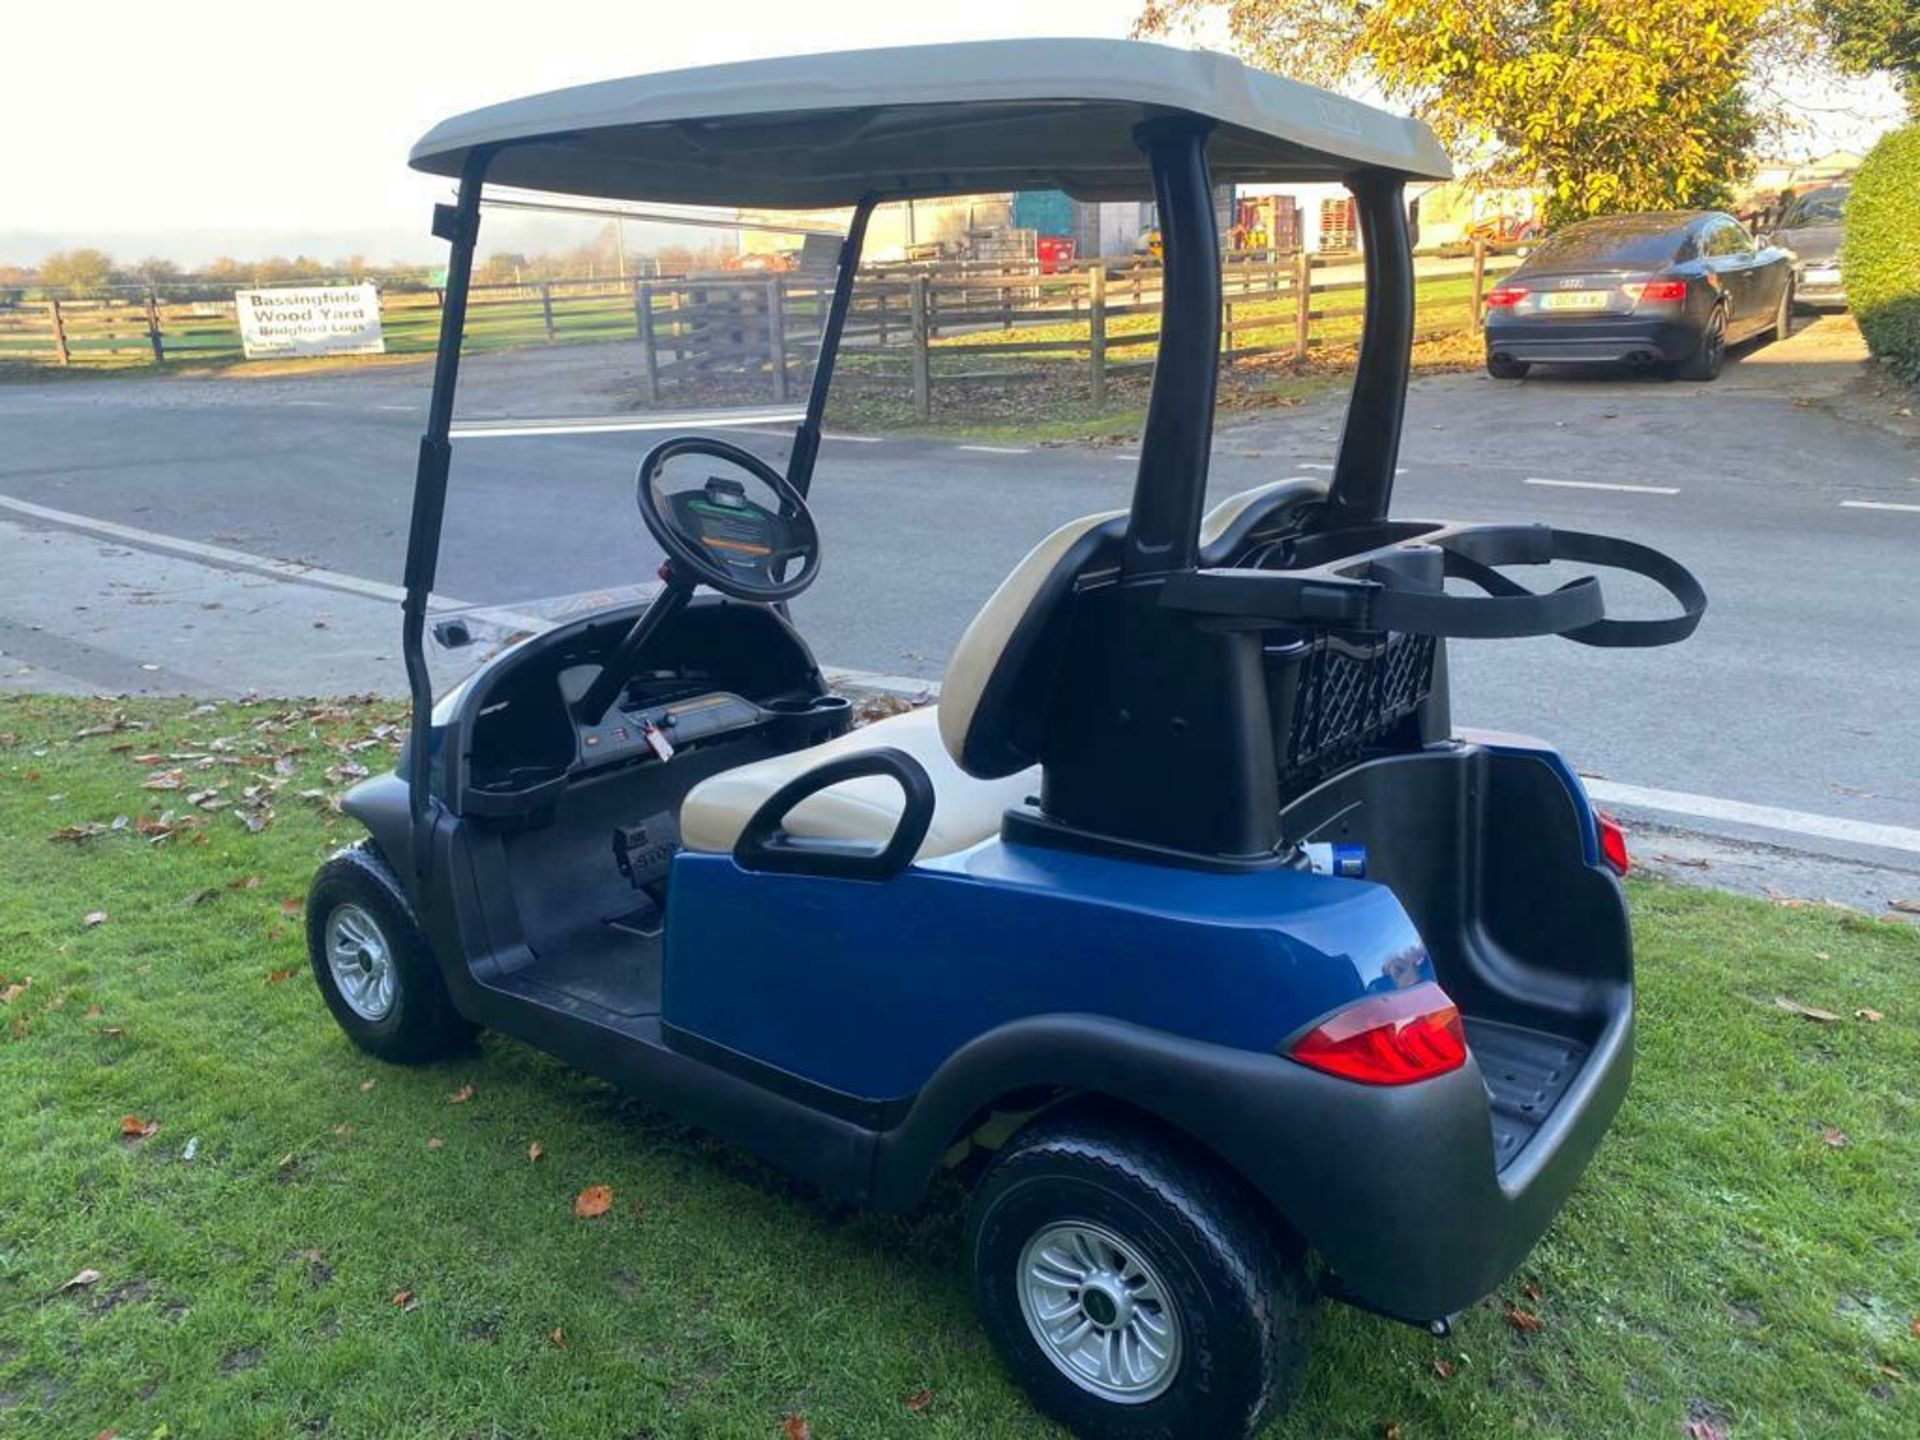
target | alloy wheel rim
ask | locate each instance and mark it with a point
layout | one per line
(360, 961)
(1100, 1312)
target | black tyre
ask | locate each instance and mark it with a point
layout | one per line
(1505, 367)
(1711, 353)
(374, 966)
(1134, 1288)
(1783, 317)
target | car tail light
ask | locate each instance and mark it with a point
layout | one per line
(1613, 843)
(1503, 295)
(1392, 1039)
(1655, 289)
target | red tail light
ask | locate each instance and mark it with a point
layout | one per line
(1613, 843)
(1655, 289)
(1392, 1039)
(1504, 295)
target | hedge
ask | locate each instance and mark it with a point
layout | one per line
(1882, 247)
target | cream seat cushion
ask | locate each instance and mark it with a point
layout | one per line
(965, 812)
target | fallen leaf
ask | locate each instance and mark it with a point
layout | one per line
(244, 882)
(1872, 1017)
(90, 1276)
(536, 1152)
(593, 1202)
(795, 1427)
(343, 1130)
(558, 1337)
(11, 993)
(1916, 1327)
(132, 1127)
(286, 1163)
(78, 834)
(1808, 1012)
(366, 1085)
(291, 908)
(461, 1096)
(1389, 1430)
(275, 976)
(1836, 1137)
(1703, 1430)
(1522, 1320)
(1442, 1369)
(919, 1400)
(198, 897)
(404, 1299)
(93, 918)
(434, 1142)
(1891, 1373)
(1531, 1291)
(1905, 907)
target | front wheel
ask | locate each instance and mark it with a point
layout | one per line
(1135, 1289)
(373, 964)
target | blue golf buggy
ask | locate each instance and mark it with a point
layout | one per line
(1186, 926)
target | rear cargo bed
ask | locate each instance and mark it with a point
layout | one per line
(1526, 1073)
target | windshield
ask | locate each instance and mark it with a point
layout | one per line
(1825, 206)
(1633, 241)
(591, 335)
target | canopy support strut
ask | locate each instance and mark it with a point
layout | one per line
(806, 440)
(459, 225)
(1163, 531)
(1370, 444)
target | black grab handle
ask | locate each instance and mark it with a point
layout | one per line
(765, 845)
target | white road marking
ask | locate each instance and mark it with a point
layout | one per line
(606, 424)
(856, 439)
(312, 404)
(289, 570)
(1309, 465)
(1604, 485)
(996, 449)
(403, 409)
(215, 554)
(1764, 817)
(1878, 505)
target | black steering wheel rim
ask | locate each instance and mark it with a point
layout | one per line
(690, 559)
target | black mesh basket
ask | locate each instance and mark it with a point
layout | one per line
(1336, 695)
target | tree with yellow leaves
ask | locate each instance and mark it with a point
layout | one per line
(1608, 105)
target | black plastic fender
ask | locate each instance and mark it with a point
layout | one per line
(1395, 1187)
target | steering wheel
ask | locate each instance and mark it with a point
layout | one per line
(719, 537)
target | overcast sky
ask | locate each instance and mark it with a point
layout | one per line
(207, 125)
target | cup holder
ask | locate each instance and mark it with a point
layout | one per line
(809, 719)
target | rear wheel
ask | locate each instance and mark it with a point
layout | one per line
(1711, 352)
(1133, 1288)
(373, 964)
(1783, 317)
(1505, 367)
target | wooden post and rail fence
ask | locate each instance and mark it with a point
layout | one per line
(914, 328)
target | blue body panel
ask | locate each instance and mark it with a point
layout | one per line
(867, 987)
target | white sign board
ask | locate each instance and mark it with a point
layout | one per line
(310, 320)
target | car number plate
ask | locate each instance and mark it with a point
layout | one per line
(1575, 300)
(1823, 275)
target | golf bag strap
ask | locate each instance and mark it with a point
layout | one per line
(1546, 544)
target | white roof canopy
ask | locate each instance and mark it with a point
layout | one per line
(812, 131)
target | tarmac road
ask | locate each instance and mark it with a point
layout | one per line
(1798, 692)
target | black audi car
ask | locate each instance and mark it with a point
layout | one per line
(1672, 289)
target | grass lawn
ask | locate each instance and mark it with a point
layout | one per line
(357, 1250)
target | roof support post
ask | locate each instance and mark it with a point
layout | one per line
(1163, 531)
(459, 225)
(806, 440)
(1370, 444)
